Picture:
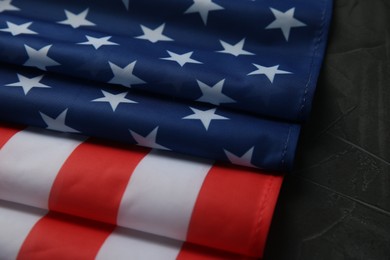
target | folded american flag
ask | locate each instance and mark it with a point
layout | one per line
(221, 80)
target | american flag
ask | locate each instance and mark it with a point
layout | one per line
(193, 83)
(223, 80)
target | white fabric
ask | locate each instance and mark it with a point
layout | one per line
(161, 194)
(29, 163)
(124, 244)
(16, 221)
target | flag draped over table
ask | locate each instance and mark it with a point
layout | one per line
(221, 80)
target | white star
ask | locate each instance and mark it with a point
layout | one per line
(77, 20)
(15, 29)
(213, 94)
(244, 160)
(154, 35)
(269, 72)
(114, 99)
(124, 76)
(58, 123)
(149, 140)
(28, 83)
(203, 7)
(205, 116)
(98, 42)
(5, 5)
(39, 58)
(126, 3)
(181, 59)
(236, 49)
(284, 21)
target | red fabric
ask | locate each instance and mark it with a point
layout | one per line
(93, 179)
(231, 220)
(62, 237)
(6, 132)
(196, 252)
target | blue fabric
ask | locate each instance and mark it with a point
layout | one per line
(274, 142)
(265, 87)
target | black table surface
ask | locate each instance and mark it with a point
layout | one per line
(336, 203)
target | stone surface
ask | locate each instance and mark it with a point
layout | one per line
(336, 202)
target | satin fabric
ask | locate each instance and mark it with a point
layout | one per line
(299, 50)
(31, 233)
(273, 142)
(161, 193)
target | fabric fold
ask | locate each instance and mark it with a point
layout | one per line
(199, 87)
(156, 192)
(258, 57)
(64, 104)
(31, 233)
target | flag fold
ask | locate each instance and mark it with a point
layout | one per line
(38, 234)
(111, 112)
(157, 192)
(261, 57)
(215, 79)
(156, 129)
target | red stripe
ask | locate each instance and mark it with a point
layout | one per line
(196, 252)
(93, 179)
(267, 211)
(59, 236)
(6, 132)
(234, 209)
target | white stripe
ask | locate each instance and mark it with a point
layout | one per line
(16, 222)
(161, 194)
(29, 163)
(129, 244)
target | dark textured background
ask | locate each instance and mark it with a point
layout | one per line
(336, 203)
